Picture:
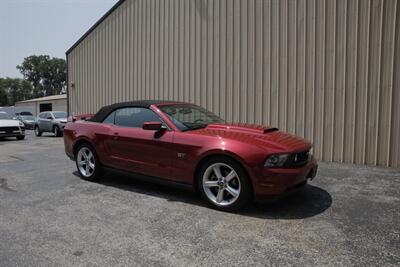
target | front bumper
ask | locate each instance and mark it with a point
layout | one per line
(62, 126)
(6, 132)
(278, 181)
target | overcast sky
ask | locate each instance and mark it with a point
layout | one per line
(46, 27)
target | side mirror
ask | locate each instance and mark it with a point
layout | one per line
(153, 126)
(71, 118)
(50, 118)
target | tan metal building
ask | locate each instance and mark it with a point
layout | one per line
(47, 103)
(328, 70)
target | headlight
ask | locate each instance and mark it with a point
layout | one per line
(276, 160)
(21, 124)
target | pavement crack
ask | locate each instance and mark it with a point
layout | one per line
(4, 185)
(15, 157)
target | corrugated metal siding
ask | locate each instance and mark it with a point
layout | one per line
(328, 70)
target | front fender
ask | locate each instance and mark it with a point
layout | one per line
(244, 162)
(219, 152)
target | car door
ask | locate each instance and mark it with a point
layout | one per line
(39, 120)
(42, 121)
(136, 150)
(47, 122)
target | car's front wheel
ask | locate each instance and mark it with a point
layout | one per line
(37, 131)
(224, 184)
(57, 131)
(87, 162)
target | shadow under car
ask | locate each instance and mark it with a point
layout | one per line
(307, 202)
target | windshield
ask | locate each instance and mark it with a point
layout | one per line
(27, 118)
(60, 114)
(190, 117)
(5, 116)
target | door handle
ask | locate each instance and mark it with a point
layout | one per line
(115, 137)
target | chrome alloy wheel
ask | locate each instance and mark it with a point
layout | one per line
(86, 162)
(37, 130)
(221, 184)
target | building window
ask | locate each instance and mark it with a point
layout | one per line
(45, 107)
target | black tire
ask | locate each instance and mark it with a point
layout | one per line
(245, 185)
(37, 131)
(98, 168)
(57, 132)
(22, 137)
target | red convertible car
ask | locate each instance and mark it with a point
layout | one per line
(229, 164)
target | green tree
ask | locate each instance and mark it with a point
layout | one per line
(3, 97)
(13, 90)
(47, 75)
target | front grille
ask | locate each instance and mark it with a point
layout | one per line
(9, 130)
(299, 159)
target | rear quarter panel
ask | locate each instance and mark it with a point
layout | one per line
(91, 132)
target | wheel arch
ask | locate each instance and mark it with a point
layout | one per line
(81, 141)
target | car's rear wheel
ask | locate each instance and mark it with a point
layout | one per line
(87, 162)
(37, 131)
(224, 184)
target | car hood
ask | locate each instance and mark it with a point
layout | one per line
(9, 123)
(266, 137)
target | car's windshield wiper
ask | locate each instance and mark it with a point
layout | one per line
(201, 126)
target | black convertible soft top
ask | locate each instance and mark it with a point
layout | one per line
(104, 111)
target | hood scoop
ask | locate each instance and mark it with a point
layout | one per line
(243, 127)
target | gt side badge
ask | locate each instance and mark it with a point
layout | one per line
(181, 155)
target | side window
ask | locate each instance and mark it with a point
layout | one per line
(43, 115)
(110, 118)
(134, 117)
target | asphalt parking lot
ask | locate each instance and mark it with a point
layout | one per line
(349, 215)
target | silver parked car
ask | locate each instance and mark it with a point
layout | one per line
(51, 122)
